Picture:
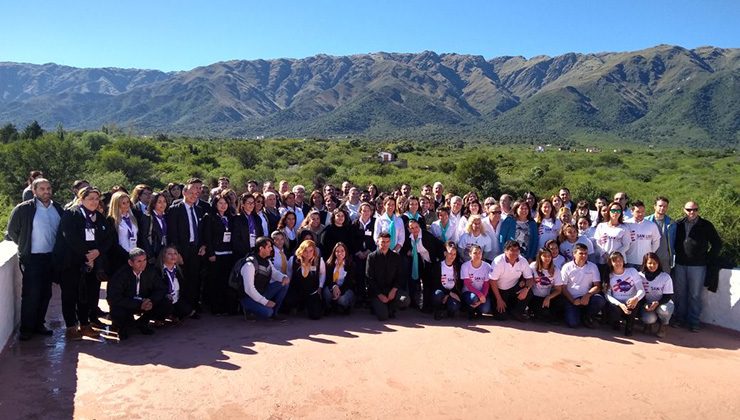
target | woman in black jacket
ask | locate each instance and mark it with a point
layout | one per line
(339, 230)
(154, 226)
(247, 227)
(83, 239)
(340, 283)
(217, 235)
(307, 275)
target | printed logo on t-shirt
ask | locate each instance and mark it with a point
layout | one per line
(622, 285)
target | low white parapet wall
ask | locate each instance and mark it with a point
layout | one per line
(10, 291)
(721, 308)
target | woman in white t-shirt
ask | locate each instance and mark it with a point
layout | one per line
(612, 236)
(658, 293)
(474, 275)
(474, 234)
(548, 225)
(447, 285)
(546, 301)
(624, 292)
(557, 259)
(569, 238)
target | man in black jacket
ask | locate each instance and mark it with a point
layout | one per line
(33, 227)
(697, 243)
(136, 289)
(184, 220)
(423, 252)
(383, 270)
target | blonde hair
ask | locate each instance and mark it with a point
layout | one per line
(563, 211)
(469, 227)
(114, 211)
(302, 249)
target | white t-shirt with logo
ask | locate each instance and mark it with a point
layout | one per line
(579, 280)
(448, 279)
(654, 290)
(478, 276)
(626, 285)
(544, 281)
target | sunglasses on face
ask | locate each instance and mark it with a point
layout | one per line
(692, 210)
(615, 211)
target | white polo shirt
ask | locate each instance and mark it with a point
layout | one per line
(506, 275)
(578, 280)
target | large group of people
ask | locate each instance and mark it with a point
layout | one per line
(275, 251)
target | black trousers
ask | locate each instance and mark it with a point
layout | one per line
(38, 273)
(615, 313)
(219, 293)
(555, 311)
(386, 310)
(80, 295)
(190, 287)
(514, 306)
(124, 317)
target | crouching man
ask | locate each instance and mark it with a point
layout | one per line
(136, 290)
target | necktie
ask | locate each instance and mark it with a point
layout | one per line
(283, 262)
(415, 260)
(337, 269)
(194, 222)
(138, 284)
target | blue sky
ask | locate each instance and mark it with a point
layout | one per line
(179, 35)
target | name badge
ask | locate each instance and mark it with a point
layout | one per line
(90, 234)
(252, 239)
(313, 268)
(164, 239)
(368, 233)
(227, 237)
(132, 242)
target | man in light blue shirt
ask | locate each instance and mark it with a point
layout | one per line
(33, 227)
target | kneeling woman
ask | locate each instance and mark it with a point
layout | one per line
(446, 298)
(474, 275)
(169, 265)
(546, 301)
(338, 294)
(658, 293)
(624, 293)
(307, 273)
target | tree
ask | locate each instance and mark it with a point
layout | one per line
(247, 154)
(33, 131)
(480, 173)
(95, 140)
(8, 133)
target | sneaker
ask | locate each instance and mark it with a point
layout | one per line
(88, 331)
(694, 328)
(661, 331)
(73, 334)
(97, 323)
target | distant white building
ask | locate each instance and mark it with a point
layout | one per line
(593, 150)
(387, 157)
(539, 149)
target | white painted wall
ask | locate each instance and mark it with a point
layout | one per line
(10, 291)
(723, 308)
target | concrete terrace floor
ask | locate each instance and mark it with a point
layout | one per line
(357, 367)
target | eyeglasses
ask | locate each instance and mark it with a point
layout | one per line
(691, 210)
(615, 211)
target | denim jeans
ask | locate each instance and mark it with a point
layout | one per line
(662, 312)
(452, 306)
(275, 292)
(688, 282)
(469, 298)
(573, 313)
(346, 300)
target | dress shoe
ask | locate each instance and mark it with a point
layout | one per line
(146, 330)
(73, 334)
(88, 331)
(44, 331)
(25, 335)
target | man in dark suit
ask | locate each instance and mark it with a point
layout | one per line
(33, 227)
(184, 220)
(384, 283)
(136, 289)
(422, 251)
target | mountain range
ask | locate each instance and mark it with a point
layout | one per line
(664, 94)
